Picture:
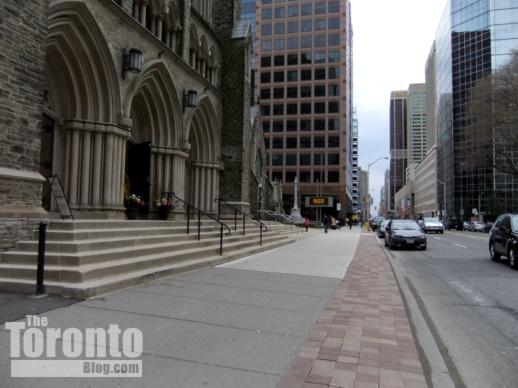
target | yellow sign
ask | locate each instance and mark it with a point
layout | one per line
(318, 201)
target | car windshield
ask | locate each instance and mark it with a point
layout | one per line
(405, 225)
(384, 223)
(514, 221)
(431, 220)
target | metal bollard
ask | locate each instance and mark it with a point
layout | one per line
(40, 287)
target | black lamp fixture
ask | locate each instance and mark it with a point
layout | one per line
(132, 61)
(190, 99)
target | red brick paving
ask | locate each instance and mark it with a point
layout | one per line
(363, 337)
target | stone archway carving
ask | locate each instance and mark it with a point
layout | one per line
(83, 82)
(204, 159)
(153, 105)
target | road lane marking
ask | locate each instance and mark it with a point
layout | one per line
(437, 238)
(462, 246)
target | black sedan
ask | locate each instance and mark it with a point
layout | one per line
(404, 233)
(503, 239)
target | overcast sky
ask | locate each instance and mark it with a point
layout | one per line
(392, 40)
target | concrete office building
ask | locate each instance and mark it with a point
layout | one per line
(398, 144)
(416, 121)
(304, 73)
(474, 39)
(355, 189)
(426, 204)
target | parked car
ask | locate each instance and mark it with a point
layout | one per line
(375, 222)
(478, 226)
(467, 226)
(381, 229)
(433, 225)
(503, 239)
(456, 224)
(400, 233)
(487, 227)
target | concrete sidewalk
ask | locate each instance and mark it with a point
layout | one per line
(363, 338)
(242, 324)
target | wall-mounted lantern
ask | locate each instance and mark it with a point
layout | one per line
(190, 99)
(132, 61)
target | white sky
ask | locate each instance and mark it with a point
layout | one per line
(392, 40)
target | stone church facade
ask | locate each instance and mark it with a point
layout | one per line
(178, 122)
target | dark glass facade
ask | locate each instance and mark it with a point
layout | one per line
(474, 38)
(398, 144)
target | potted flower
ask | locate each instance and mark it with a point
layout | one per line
(133, 204)
(164, 207)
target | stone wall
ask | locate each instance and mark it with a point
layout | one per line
(23, 28)
(236, 89)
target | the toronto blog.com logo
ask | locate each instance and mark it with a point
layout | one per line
(39, 350)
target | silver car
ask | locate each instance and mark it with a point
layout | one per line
(433, 225)
(381, 229)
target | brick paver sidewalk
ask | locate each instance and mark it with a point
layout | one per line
(363, 338)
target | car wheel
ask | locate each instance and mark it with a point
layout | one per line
(423, 247)
(442, 231)
(513, 262)
(494, 256)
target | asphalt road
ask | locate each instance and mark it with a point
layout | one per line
(471, 303)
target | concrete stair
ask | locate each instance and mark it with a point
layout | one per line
(86, 258)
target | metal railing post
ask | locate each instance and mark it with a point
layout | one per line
(219, 208)
(244, 225)
(199, 221)
(260, 235)
(221, 240)
(40, 287)
(188, 218)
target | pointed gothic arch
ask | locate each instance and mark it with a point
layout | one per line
(204, 161)
(84, 95)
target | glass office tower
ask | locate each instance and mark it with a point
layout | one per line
(474, 38)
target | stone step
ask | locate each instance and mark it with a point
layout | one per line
(88, 272)
(121, 252)
(82, 240)
(107, 284)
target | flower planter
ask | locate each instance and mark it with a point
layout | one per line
(164, 212)
(131, 213)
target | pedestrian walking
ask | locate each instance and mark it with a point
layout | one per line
(307, 222)
(326, 222)
(350, 223)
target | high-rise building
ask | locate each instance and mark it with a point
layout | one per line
(355, 189)
(398, 144)
(474, 38)
(426, 171)
(304, 67)
(416, 121)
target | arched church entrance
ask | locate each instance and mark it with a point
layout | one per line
(81, 140)
(203, 164)
(156, 117)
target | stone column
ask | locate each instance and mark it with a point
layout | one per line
(73, 198)
(97, 163)
(86, 166)
(159, 26)
(186, 30)
(143, 10)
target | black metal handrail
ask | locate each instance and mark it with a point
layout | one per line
(280, 216)
(200, 212)
(59, 195)
(262, 225)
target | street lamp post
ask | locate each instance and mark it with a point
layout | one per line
(368, 186)
(443, 198)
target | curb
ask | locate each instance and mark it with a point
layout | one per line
(440, 371)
